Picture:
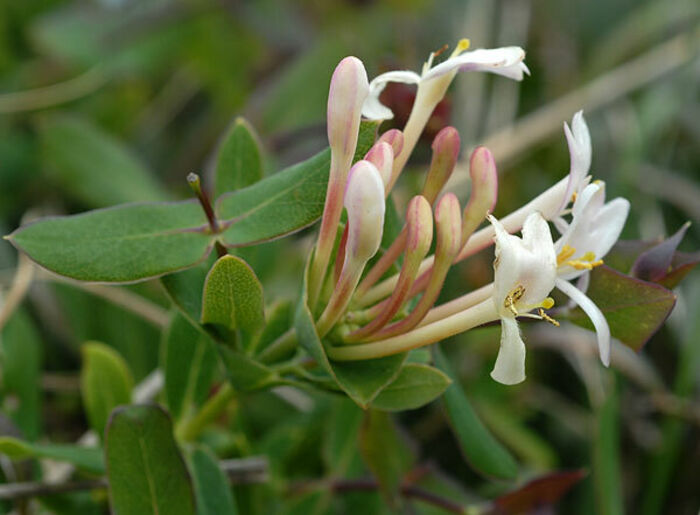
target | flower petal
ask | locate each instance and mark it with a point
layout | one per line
(506, 61)
(373, 109)
(579, 140)
(510, 364)
(596, 316)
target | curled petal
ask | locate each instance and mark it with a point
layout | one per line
(596, 316)
(373, 109)
(506, 61)
(579, 140)
(510, 363)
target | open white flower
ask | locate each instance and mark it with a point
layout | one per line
(525, 271)
(595, 227)
(579, 140)
(506, 61)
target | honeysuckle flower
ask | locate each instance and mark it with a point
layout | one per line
(525, 271)
(348, 91)
(595, 227)
(506, 61)
(432, 86)
(579, 140)
(364, 202)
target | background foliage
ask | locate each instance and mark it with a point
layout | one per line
(112, 101)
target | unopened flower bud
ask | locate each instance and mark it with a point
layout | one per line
(445, 153)
(484, 176)
(364, 202)
(348, 90)
(381, 155)
(393, 137)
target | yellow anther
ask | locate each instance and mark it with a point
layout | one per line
(462, 45)
(573, 196)
(547, 303)
(547, 318)
(566, 253)
(513, 297)
(584, 265)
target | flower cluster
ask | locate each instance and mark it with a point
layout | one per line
(362, 316)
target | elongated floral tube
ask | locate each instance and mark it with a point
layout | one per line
(419, 220)
(480, 314)
(466, 301)
(482, 199)
(348, 91)
(364, 202)
(445, 153)
(448, 224)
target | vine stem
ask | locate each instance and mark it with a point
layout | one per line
(190, 428)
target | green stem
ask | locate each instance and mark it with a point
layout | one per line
(192, 427)
(283, 345)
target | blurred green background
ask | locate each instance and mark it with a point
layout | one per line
(111, 101)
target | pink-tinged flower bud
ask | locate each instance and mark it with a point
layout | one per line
(482, 170)
(348, 90)
(448, 224)
(393, 137)
(445, 153)
(381, 155)
(364, 202)
(419, 236)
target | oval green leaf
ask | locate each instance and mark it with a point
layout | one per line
(239, 160)
(211, 486)
(189, 365)
(146, 473)
(415, 386)
(120, 244)
(105, 383)
(233, 296)
(483, 452)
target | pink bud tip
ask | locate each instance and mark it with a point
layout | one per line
(448, 220)
(393, 137)
(419, 220)
(348, 90)
(484, 175)
(445, 153)
(381, 155)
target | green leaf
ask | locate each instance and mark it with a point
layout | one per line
(20, 363)
(278, 321)
(285, 202)
(244, 373)
(212, 489)
(634, 309)
(233, 296)
(415, 386)
(343, 429)
(88, 459)
(92, 165)
(105, 383)
(239, 161)
(361, 380)
(385, 452)
(119, 244)
(189, 365)
(483, 452)
(147, 475)
(607, 471)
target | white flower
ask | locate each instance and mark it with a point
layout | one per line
(579, 140)
(525, 271)
(595, 227)
(506, 61)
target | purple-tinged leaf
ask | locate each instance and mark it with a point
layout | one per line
(634, 309)
(655, 263)
(539, 493)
